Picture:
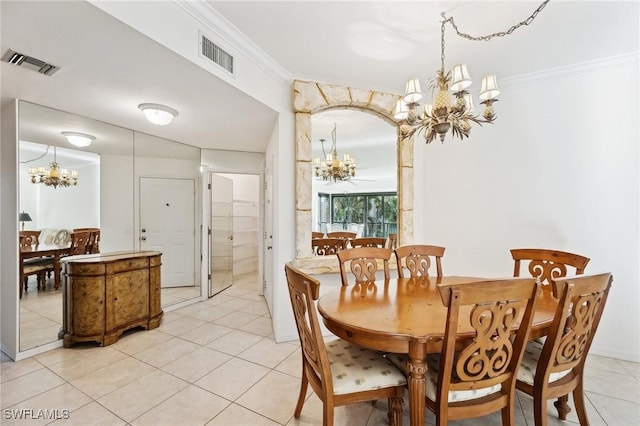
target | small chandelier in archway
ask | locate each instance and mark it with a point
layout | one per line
(331, 168)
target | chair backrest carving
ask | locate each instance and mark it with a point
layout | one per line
(417, 259)
(79, 242)
(548, 265)
(34, 236)
(368, 242)
(94, 239)
(26, 241)
(327, 246)
(363, 263)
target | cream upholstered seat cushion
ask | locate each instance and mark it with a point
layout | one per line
(401, 360)
(357, 369)
(527, 370)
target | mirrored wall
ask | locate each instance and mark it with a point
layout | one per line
(120, 171)
(371, 143)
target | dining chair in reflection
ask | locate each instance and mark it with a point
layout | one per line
(363, 263)
(417, 259)
(556, 367)
(315, 234)
(338, 371)
(368, 242)
(327, 246)
(345, 235)
(548, 265)
(33, 235)
(79, 242)
(94, 239)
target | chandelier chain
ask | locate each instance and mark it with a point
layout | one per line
(488, 37)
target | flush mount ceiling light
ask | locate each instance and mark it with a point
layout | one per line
(158, 114)
(78, 139)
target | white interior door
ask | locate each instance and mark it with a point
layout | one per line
(221, 238)
(167, 225)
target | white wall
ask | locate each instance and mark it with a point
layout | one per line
(558, 169)
(116, 203)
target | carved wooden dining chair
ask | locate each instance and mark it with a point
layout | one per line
(33, 236)
(547, 265)
(368, 242)
(363, 263)
(345, 235)
(79, 242)
(317, 234)
(477, 376)
(327, 246)
(555, 368)
(417, 259)
(339, 372)
(94, 239)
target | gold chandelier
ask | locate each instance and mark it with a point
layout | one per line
(445, 113)
(331, 168)
(53, 176)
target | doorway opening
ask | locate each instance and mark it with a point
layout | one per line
(234, 230)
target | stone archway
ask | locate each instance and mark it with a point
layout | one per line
(313, 97)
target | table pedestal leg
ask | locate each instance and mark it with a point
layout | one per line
(417, 383)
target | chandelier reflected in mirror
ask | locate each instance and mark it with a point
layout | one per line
(55, 175)
(331, 168)
(447, 113)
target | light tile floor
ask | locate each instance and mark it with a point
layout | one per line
(216, 363)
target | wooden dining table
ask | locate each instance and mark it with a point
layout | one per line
(406, 316)
(53, 250)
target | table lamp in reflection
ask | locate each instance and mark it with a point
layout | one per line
(24, 217)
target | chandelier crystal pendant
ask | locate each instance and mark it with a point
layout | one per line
(331, 168)
(445, 113)
(55, 175)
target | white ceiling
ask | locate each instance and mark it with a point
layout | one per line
(108, 68)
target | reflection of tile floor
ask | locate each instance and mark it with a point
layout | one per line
(216, 363)
(41, 311)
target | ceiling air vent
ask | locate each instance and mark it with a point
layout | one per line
(214, 52)
(29, 62)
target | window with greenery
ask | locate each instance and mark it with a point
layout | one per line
(376, 212)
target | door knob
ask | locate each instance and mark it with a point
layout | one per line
(269, 247)
(231, 237)
(143, 230)
(143, 238)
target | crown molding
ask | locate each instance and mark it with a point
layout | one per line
(541, 76)
(217, 25)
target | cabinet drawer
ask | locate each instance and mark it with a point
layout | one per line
(86, 269)
(155, 261)
(127, 265)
